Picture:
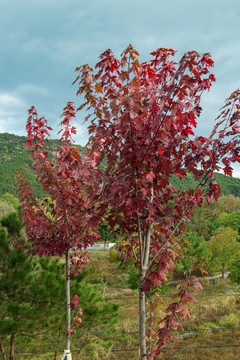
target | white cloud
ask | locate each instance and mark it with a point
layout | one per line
(236, 171)
(12, 113)
(81, 136)
(26, 89)
(8, 101)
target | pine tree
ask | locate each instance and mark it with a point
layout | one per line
(33, 292)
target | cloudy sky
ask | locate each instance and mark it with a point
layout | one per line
(42, 42)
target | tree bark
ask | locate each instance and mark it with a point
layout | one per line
(56, 354)
(3, 351)
(223, 272)
(142, 273)
(12, 346)
(68, 300)
(142, 320)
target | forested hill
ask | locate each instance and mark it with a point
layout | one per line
(13, 155)
(229, 185)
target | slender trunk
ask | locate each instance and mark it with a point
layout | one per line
(56, 351)
(223, 272)
(12, 346)
(68, 300)
(104, 288)
(144, 250)
(142, 320)
(142, 273)
(55, 355)
(3, 351)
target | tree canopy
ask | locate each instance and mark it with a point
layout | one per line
(142, 119)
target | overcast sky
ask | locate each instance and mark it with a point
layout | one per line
(42, 42)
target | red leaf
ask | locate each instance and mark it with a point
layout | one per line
(150, 176)
(160, 150)
(228, 170)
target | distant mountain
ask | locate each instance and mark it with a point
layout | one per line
(13, 155)
(229, 185)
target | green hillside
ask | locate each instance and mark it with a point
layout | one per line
(229, 185)
(13, 155)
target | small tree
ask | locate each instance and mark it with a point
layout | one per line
(104, 232)
(223, 246)
(61, 224)
(32, 292)
(142, 121)
(195, 252)
(234, 269)
(231, 220)
(100, 270)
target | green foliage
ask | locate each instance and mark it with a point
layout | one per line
(205, 220)
(133, 277)
(13, 223)
(222, 246)
(228, 204)
(104, 231)
(133, 283)
(29, 288)
(195, 251)
(14, 155)
(228, 184)
(8, 198)
(229, 321)
(5, 208)
(33, 292)
(234, 270)
(231, 220)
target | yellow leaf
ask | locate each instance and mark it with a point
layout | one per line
(203, 271)
(186, 242)
(98, 88)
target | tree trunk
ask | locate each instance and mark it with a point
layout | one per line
(104, 288)
(56, 351)
(3, 351)
(12, 346)
(223, 272)
(142, 320)
(55, 355)
(68, 300)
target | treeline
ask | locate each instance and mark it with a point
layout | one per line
(13, 155)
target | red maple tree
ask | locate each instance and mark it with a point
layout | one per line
(60, 224)
(143, 117)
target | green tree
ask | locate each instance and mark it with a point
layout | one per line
(5, 208)
(10, 199)
(222, 246)
(234, 270)
(32, 292)
(105, 232)
(231, 220)
(30, 288)
(195, 252)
